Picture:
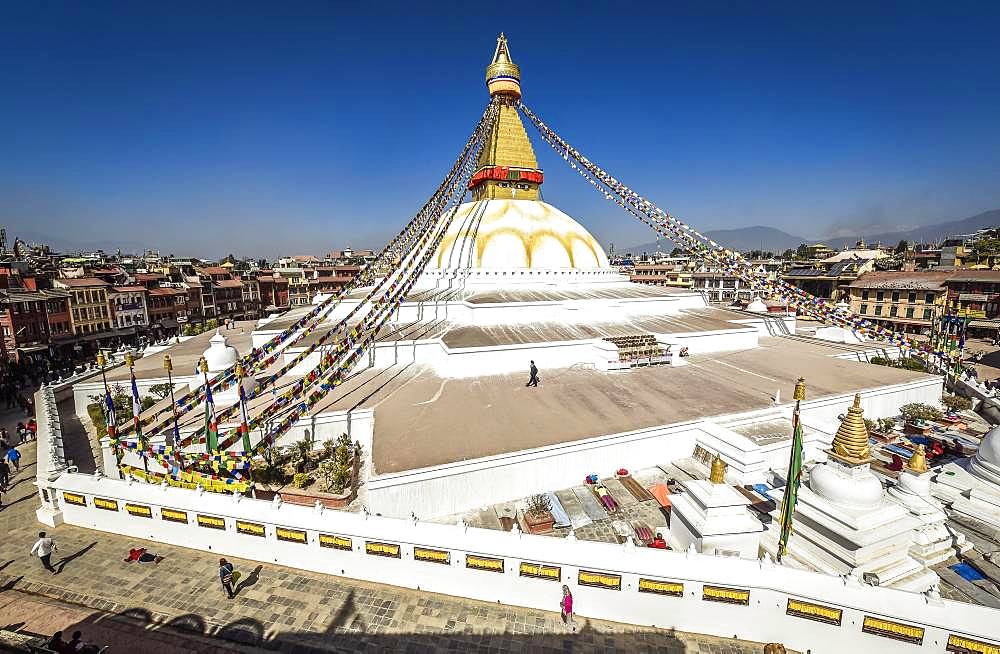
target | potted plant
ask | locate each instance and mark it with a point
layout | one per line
(538, 514)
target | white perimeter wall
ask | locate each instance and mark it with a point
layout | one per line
(763, 618)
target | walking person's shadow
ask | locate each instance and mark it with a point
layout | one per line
(74, 556)
(249, 580)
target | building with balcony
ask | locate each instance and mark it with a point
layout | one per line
(128, 307)
(90, 312)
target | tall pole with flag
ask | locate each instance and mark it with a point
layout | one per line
(794, 476)
(109, 414)
(168, 365)
(211, 424)
(244, 424)
(141, 441)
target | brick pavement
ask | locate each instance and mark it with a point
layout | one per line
(277, 608)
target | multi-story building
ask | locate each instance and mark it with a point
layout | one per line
(273, 291)
(330, 279)
(909, 302)
(251, 296)
(299, 292)
(229, 299)
(24, 320)
(90, 313)
(128, 307)
(57, 312)
(165, 305)
(722, 288)
(666, 274)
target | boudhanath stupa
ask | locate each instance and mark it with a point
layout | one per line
(631, 375)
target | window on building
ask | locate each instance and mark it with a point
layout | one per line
(864, 309)
(879, 296)
(878, 309)
(929, 298)
(927, 314)
(911, 297)
(909, 312)
(895, 296)
(864, 294)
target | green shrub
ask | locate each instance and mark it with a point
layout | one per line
(96, 412)
(886, 425)
(956, 402)
(918, 411)
(911, 364)
(871, 425)
(538, 505)
(880, 361)
(301, 480)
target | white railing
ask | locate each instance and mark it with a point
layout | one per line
(725, 597)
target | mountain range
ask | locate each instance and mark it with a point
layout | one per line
(759, 237)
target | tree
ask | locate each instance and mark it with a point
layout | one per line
(160, 391)
(956, 402)
(300, 454)
(901, 247)
(788, 254)
(919, 411)
(678, 252)
(802, 251)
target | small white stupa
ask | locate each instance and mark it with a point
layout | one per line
(713, 518)
(757, 306)
(219, 358)
(933, 541)
(971, 487)
(843, 522)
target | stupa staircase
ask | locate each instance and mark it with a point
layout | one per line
(638, 350)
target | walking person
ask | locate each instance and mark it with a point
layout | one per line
(226, 577)
(4, 474)
(566, 608)
(15, 458)
(533, 379)
(44, 547)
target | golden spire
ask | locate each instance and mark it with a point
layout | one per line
(503, 77)
(506, 168)
(850, 444)
(718, 475)
(918, 461)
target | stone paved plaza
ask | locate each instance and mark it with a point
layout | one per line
(178, 605)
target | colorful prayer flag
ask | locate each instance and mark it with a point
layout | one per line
(793, 479)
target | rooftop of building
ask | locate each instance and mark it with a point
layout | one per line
(928, 281)
(80, 282)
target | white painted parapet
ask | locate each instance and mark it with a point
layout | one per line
(725, 597)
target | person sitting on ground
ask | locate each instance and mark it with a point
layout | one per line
(140, 555)
(75, 643)
(56, 643)
(658, 542)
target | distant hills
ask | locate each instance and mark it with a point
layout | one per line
(760, 237)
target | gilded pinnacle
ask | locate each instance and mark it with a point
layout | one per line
(850, 444)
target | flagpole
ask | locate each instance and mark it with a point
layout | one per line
(244, 425)
(110, 419)
(168, 365)
(794, 471)
(136, 411)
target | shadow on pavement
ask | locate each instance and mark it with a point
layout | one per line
(191, 632)
(75, 555)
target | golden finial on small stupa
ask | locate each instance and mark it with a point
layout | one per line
(850, 444)
(129, 360)
(918, 460)
(800, 389)
(203, 365)
(503, 77)
(718, 475)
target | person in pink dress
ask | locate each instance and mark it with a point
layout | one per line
(566, 608)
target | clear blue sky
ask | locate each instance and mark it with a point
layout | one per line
(259, 129)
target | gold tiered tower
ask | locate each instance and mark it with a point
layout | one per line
(506, 168)
(850, 444)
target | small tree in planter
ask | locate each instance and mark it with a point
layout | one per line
(918, 411)
(886, 425)
(538, 514)
(327, 472)
(300, 453)
(955, 403)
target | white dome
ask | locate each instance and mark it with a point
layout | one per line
(837, 484)
(757, 306)
(220, 355)
(517, 234)
(917, 484)
(986, 463)
(989, 447)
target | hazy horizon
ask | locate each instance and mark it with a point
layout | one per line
(265, 130)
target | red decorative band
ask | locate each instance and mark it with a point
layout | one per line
(505, 174)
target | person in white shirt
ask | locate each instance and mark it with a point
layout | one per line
(44, 547)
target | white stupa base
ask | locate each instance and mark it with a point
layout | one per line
(968, 494)
(713, 518)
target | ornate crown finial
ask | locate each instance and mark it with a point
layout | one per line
(800, 389)
(718, 475)
(503, 77)
(850, 444)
